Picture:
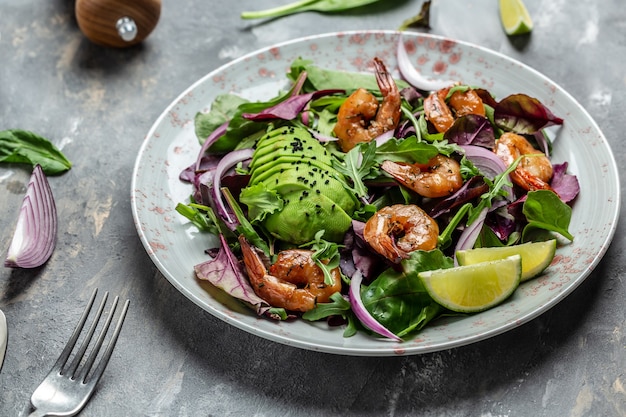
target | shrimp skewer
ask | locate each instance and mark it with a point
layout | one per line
(440, 177)
(294, 282)
(361, 118)
(533, 172)
(396, 231)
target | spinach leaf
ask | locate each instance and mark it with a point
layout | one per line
(545, 210)
(327, 6)
(398, 299)
(24, 147)
(409, 151)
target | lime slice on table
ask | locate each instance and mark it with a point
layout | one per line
(536, 256)
(515, 18)
(474, 288)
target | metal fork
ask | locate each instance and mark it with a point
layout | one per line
(66, 389)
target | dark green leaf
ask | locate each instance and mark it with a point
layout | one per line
(24, 147)
(407, 150)
(545, 210)
(421, 20)
(327, 6)
(398, 299)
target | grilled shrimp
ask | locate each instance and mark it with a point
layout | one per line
(533, 172)
(361, 118)
(460, 103)
(437, 111)
(396, 231)
(440, 177)
(294, 282)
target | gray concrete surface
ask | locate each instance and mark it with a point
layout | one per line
(174, 359)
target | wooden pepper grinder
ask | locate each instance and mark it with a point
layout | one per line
(117, 23)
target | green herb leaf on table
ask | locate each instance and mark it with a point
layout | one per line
(25, 147)
(421, 20)
(326, 6)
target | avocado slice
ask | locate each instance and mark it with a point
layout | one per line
(305, 215)
(294, 191)
(298, 143)
(315, 181)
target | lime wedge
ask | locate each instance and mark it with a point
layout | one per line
(474, 288)
(536, 256)
(515, 18)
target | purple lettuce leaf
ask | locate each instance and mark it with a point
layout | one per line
(502, 223)
(227, 273)
(471, 129)
(288, 109)
(564, 185)
(472, 189)
(523, 114)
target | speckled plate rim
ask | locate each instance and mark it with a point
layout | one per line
(175, 246)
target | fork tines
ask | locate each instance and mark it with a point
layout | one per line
(72, 370)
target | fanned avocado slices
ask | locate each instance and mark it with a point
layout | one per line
(290, 163)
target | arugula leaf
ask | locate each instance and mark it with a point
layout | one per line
(357, 164)
(245, 228)
(199, 215)
(324, 250)
(545, 210)
(338, 306)
(496, 190)
(327, 6)
(261, 201)
(25, 147)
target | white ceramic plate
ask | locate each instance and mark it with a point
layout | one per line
(175, 246)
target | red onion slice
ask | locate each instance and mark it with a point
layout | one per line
(361, 312)
(228, 161)
(412, 76)
(35, 234)
(489, 164)
(470, 234)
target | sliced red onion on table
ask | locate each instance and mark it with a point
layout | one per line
(361, 312)
(412, 76)
(35, 234)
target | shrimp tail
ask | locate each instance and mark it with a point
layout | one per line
(529, 181)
